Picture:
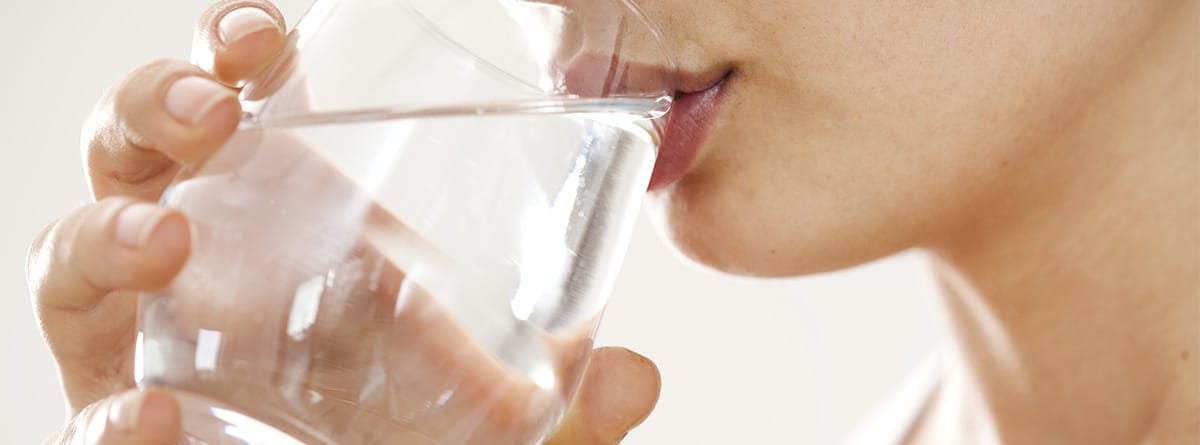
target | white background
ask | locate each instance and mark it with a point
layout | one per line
(743, 361)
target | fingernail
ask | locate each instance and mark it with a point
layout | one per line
(191, 98)
(242, 22)
(137, 222)
(640, 381)
(124, 412)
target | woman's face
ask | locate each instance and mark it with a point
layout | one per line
(851, 129)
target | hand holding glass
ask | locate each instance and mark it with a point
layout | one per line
(412, 235)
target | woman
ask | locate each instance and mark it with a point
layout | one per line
(1047, 154)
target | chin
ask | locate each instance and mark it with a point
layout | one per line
(727, 229)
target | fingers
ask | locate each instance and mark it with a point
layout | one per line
(73, 268)
(117, 243)
(236, 39)
(150, 417)
(161, 115)
(171, 113)
(620, 388)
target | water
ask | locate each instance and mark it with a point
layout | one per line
(397, 276)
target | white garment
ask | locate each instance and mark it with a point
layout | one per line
(889, 422)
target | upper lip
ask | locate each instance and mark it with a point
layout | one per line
(690, 82)
(594, 75)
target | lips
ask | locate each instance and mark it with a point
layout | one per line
(687, 127)
(697, 102)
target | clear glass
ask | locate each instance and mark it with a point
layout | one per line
(411, 238)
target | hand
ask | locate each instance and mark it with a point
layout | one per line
(86, 269)
(130, 418)
(619, 390)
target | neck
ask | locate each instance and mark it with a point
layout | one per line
(1075, 298)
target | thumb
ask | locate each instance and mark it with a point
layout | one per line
(136, 417)
(620, 388)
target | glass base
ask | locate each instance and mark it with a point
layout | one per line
(209, 422)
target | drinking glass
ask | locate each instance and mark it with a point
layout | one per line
(411, 237)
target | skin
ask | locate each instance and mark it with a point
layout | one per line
(1046, 154)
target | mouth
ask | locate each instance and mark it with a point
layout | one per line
(685, 128)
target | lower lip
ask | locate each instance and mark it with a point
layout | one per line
(686, 130)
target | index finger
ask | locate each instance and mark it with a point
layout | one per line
(170, 113)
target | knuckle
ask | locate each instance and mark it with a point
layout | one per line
(36, 267)
(59, 253)
(144, 84)
(67, 243)
(100, 132)
(118, 136)
(107, 126)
